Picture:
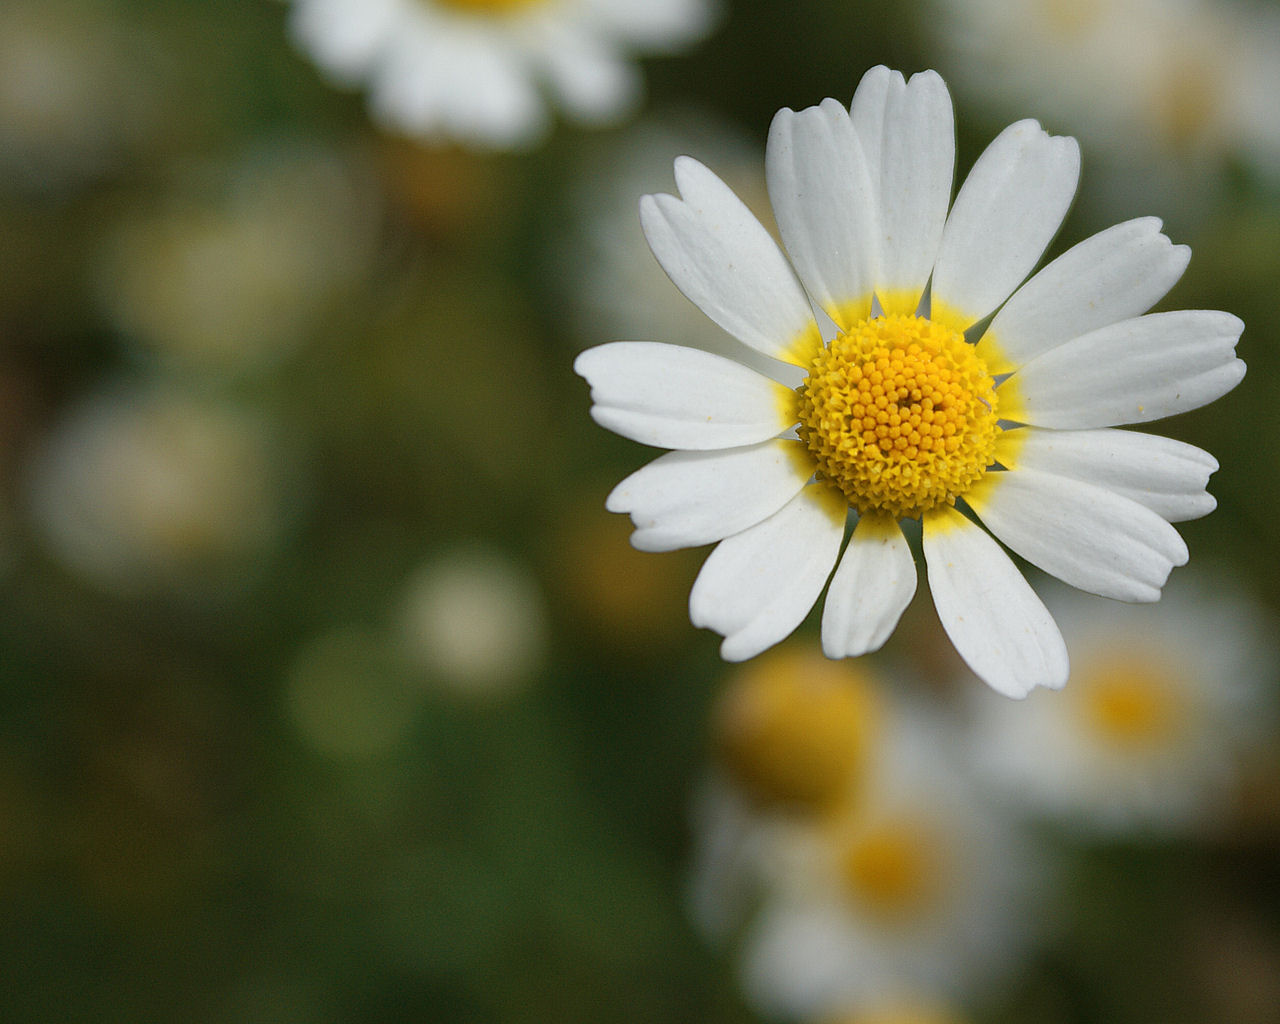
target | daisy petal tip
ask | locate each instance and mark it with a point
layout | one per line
(648, 207)
(837, 648)
(619, 499)
(582, 364)
(833, 108)
(1007, 685)
(691, 175)
(873, 77)
(740, 647)
(1052, 676)
(650, 540)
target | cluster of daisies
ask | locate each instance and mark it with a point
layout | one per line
(894, 375)
(872, 858)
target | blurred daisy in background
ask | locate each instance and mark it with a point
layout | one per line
(1164, 91)
(885, 407)
(1152, 732)
(474, 621)
(78, 94)
(921, 891)
(147, 488)
(238, 263)
(883, 879)
(791, 736)
(481, 72)
(899, 1011)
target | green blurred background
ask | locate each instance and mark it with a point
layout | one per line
(328, 689)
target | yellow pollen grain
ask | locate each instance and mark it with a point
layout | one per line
(899, 414)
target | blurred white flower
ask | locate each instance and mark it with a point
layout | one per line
(1170, 87)
(473, 71)
(74, 93)
(792, 734)
(1148, 735)
(231, 270)
(908, 891)
(474, 621)
(899, 1011)
(140, 489)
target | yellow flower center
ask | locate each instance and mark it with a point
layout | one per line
(489, 6)
(900, 414)
(1128, 699)
(893, 869)
(793, 730)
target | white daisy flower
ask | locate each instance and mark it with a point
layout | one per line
(1164, 704)
(148, 489)
(922, 892)
(471, 70)
(474, 621)
(912, 406)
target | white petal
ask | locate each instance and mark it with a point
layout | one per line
(997, 623)
(867, 112)
(872, 587)
(757, 586)
(824, 204)
(653, 26)
(1116, 274)
(676, 397)
(683, 499)
(719, 255)
(1085, 535)
(344, 36)
(1165, 475)
(1006, 213)
(907, 131)
(801, 958)
(593, 83)
(457, 83)
(1131, 372)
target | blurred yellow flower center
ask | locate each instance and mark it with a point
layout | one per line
(893, 869)
(1187, 102)
(1071, 18)
(793, 729)
(899, 1015)
(1129, 700)
(900, 414)
(490, 6)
